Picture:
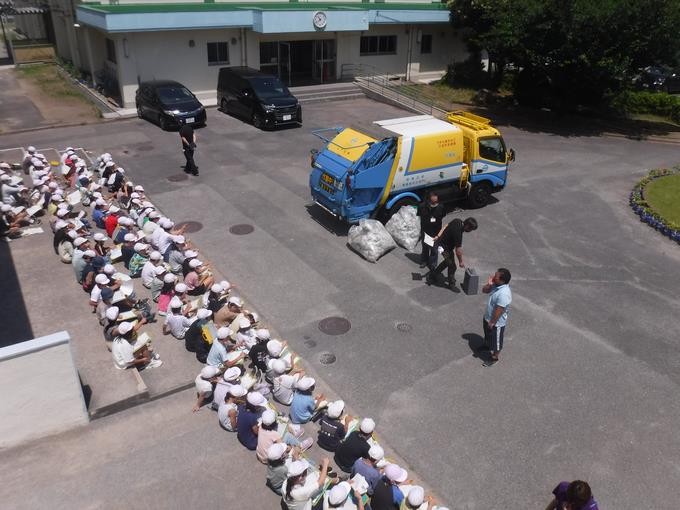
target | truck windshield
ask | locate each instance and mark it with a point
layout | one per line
(377, 153)
(492, 148)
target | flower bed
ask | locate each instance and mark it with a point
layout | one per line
(647, 214)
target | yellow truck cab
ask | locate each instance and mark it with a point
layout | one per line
(373, 170)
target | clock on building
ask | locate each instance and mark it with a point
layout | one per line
(320, 19)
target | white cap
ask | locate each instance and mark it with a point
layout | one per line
(276, 451)
(203, 313)
(263, 334)
(416, 496)
(216, 288)
(159, 270)
(339, 493)
(235, 300)
(231, 374)
(297, 467)
(141, 247)
(179, 239)
(109, 164)
(274, 347)
(225, 285)
(166, 223)
(237, 391)
(169, 278)
(89, 253)
(154, 215)
(181, 288)
(268, 417)
(376, 452)
(109, 269)
(305, 383)
(125, 327)
(190, 254)
(255, 398)
(194, 263)
(122, 220)
(30, 149)
(129, 238)
(155, 255)
(101, 279)
(98, 236)
(114, 209)
(134, 195)
(112, 313)
(139, 187)
(175, 302)
(222, 333)
(62, 212)
(396, 473)
(367, 426)
(277, 365)
(335, 409)
(254, 316)
(243, 323)
(58, 225)
(208, 372)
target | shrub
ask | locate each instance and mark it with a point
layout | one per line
(656, 103)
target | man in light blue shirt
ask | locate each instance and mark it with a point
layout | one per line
(220, 349)
(496, 315)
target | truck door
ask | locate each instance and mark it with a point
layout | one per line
(492, 161)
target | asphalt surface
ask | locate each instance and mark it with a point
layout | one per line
(588, 382)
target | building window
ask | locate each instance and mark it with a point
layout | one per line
(218, 53)
(378, 45)
(111, 51)
(426, 43)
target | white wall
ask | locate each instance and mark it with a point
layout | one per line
(41, 393)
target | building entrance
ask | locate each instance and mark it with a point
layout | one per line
(299, 62)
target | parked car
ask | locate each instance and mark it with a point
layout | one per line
(168, 103)
(659, 79)
(258, 97)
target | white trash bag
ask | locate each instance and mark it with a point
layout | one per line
(370, 239)
(404, 227)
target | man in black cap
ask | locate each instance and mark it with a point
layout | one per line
(450, 238)
(188, 137)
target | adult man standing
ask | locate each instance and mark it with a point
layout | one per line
(450, 238)
(186, 133)
(431, 213)
(496, 316)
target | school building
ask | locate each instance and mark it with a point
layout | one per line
(301, 42)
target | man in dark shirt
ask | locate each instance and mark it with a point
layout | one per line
(188, 137)
(450, 238)
(354, 446)
(431, 214)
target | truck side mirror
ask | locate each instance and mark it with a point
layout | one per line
(511, 155)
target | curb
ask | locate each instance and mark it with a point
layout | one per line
(647, 215)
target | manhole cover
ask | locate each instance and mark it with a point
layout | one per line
(310, 343)
(190, 226)
(178, 177)
(404, 327)
(335, 325)
(241, 229)
(327, 358)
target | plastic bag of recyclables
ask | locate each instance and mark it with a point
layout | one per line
(370, 239)
(404, 227)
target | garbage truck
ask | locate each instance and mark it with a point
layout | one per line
(371, 170)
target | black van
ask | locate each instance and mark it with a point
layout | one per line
(169, 104)
(258, 97)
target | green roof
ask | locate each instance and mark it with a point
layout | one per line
(264, 6)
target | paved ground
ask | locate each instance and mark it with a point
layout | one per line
(588, 384)
(17, 111)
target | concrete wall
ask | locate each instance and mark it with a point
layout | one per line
(41, 390)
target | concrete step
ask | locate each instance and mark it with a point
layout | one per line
(333, 97)
(330, 92)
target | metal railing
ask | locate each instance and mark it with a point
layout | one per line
(393, 87)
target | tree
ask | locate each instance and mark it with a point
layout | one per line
(571, 52)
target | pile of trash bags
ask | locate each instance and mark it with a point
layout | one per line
(371, 239)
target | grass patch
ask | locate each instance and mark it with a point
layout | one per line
(441, 95)
(663, 196)
(655, 119)
(50, 81)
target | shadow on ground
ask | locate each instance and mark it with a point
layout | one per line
(16, 326)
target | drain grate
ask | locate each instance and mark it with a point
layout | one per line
(404, 327)
(178, 177)
(191, 226)
(242, 229)
(335, 325)
(327, 358)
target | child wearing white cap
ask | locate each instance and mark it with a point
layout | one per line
(278, 462)
(149, 268)
(227, 412)
(124, 355)
(302, 486)
(354, 446)
(248, 427)
(283, 384)
(230, 377)
(268, 435)
(304, 405)
(175, 323)
(198, 279)
(342, 497)
(204, 383)
(332, 429)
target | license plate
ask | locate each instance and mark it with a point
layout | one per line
(328, 179)
(189, 120)
(326, 188)
(287, 117)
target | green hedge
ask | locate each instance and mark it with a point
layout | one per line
(656, 103)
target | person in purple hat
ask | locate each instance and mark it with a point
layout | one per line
(574, 495)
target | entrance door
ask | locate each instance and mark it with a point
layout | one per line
(324, 61)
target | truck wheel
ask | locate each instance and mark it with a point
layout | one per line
(479, 195)
(386, 214)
